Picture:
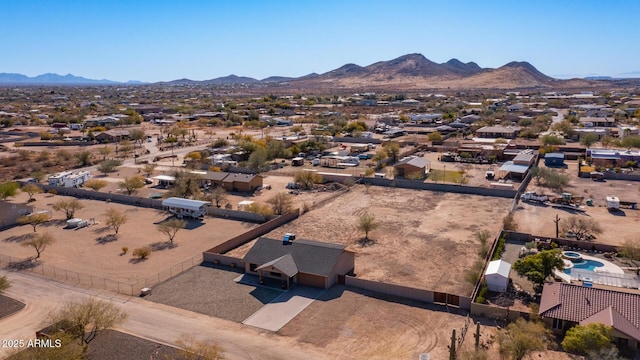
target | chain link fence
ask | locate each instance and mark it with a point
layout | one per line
(82, 280)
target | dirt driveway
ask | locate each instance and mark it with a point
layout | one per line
(350, 323)
(424, 239)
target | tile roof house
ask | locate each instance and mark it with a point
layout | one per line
(305, 262)
(565, 305)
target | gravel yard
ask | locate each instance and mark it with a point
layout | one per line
(9, 306)
(210, 290)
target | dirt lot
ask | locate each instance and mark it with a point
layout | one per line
(89, 251)
(424, 239)
(352, 323)
(617, 227)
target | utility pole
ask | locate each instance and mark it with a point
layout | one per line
(477, 334)
(557, 221)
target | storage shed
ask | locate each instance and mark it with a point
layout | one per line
(497, 275)
(554, 159)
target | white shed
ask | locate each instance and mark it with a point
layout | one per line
(497, 275)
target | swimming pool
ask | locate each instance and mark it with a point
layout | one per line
(589, 265)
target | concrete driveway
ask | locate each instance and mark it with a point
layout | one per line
(284, 308)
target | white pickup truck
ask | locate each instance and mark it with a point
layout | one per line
(533, 197)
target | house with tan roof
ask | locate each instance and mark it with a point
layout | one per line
(563, 306)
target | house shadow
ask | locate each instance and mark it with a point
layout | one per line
(162, 245)
(106, 239)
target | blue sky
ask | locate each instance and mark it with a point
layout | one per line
(166, 40)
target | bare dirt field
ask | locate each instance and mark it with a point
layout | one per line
(617, 227)
(424, 239)
(91, 250)
(353, 323)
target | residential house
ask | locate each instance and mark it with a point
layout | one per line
(494, 132)
(10, 212)
(113, 135)
(599, 132)
(564, 305)
(242, 182)
(589, 121)
(101, 121)
(413, 165)
(305, 262)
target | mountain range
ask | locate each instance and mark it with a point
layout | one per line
(412, 71)
(54, 79)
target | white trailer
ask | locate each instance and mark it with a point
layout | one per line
(76, 180)
(59, 178)
(612, 202)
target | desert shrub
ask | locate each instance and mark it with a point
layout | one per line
(125, 249)
(499, 249)
(482, 294)
(141, 253)
(508, 223)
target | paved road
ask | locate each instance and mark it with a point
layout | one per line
(558, 118)
(146, 319)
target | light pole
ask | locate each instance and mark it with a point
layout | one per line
(444, 174)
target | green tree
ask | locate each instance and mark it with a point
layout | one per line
(8, 189)
(393, 151)
(218, 195)
(69, 207)
(87, 318)
(307, 179)
(34, 219)
(109, 166)
(115, 219)
(39, 242)
(149, 168)
(547, 140)
(171, 228)
(366, 223)
(133, 183)
(435, 137)
(257, 159)
(523, 337)
(588, 139)
(84, 157)
(138, 136)
(630, 249)
(187, 185)
(281, 203)
(538, 267)
(582, 339)
(31, 189)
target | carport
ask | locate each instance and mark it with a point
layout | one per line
(509, 169)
